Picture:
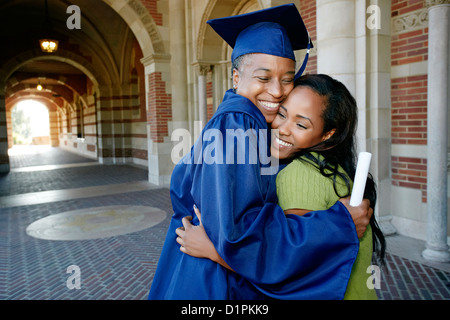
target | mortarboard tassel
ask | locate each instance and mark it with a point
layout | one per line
(305, 61)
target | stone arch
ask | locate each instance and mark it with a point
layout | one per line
(17, 83)
(136, 15)
(130, 60)
(210, 46)
(62, 91)
(62, 55)
(50, 104)
(213, 55)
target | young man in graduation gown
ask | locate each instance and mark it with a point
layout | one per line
(272, 255)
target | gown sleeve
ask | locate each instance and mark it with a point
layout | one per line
(285, 257)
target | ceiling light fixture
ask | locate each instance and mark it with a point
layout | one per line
(48, 43)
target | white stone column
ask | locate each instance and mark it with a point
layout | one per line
(377, 109)
(201, 71)
(202, 98)
(336, 43)
(357, 53)
(178, 62)
(438, 51)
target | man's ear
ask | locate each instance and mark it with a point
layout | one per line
(235, 78)
(328, 135)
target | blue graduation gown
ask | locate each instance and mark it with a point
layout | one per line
(274, 255)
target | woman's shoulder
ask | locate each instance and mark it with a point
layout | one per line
(300, 167)
(308, 165)
(303, 163)
(300, 185)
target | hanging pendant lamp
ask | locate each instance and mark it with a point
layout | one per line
(47, 42)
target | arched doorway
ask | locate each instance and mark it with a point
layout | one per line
(30, 123)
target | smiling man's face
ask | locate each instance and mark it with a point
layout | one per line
(266, 80)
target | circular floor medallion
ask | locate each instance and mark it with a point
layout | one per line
(95, 223)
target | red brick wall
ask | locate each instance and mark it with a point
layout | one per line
(409, 110)
(400, 7)
(152, 6)
(209, 97)
(159, 108)
(410, 173)
(410, 46)
(409, 101)
(307, 10)
(90, 120)
(140, 78)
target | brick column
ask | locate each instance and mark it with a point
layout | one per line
(4, 158)
(114, 145)
(54, 132)
(159, 115)
(9, 128)
(90, 127)
(105, 140)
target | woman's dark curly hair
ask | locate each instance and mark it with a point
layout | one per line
(340, 113)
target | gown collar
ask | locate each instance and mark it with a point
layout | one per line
(233, 102)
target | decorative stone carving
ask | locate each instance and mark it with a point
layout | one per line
(430, 3)
(201, 69)
(148, 24)
(410, 21)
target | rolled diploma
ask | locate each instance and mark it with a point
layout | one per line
(359, 183)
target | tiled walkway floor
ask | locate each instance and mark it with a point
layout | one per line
(122, 266)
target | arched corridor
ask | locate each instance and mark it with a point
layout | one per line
(93, 85)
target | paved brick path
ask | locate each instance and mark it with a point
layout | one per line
(26, 156)
(122, 267)
(404, 279)
(119, 267)
(66, 178)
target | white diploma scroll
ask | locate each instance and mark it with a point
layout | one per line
(359, 183)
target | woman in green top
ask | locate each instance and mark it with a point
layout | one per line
(316, 125)
(316, 128)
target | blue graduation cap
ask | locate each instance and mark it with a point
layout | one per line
(276, 31)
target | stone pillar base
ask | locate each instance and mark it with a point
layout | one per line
(436, 254)
(386, 226)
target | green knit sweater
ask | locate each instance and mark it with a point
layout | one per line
(301, 186)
